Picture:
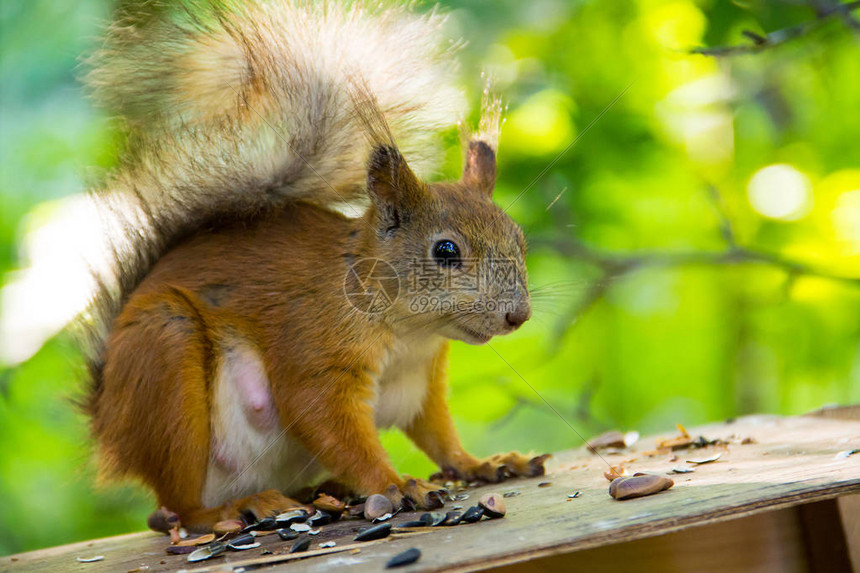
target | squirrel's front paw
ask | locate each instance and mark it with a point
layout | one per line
(496, 468)
(416, 494)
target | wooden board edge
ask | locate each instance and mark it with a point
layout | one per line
(657, 528)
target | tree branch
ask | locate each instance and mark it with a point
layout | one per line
(824, 10)
(614, 265)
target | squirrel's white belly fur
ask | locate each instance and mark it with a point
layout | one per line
(249, 449)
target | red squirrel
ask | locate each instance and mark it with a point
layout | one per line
(284, 284)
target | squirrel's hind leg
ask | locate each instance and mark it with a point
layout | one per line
(152, 414)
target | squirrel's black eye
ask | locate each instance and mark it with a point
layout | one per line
(447, 253)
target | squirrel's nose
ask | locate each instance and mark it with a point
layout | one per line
(521, 313)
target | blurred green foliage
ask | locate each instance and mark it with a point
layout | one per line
(674, 280)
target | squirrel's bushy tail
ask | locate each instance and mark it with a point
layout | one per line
(233, 108)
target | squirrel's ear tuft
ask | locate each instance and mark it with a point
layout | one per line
(479, 172)
(389, 179)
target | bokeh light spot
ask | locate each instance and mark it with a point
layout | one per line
(780, 192)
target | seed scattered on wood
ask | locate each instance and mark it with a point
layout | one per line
(461, 497)
(300, 527)
(574, 495)
(301, 545)
(243, 546)
(227, 527)
(513, 493)
(314, 531)
(356, 510)
(320, 518)
(382, 518)
(408, 557)
(473, 514)
(681, 470)
(611, 439)
(288, 534)
(545, 484)
(289, 517)
(677, 442)
(845, 454)
(452, 518)
(701, 461)
(631, 438)
(376, 506)
(202, 540)
(375, 532)
(615, 472)
(207, 552)
(327, 544)
(703, 442)
(330, 504)
(90, 559)
(180, 549)
(493, 505)
(244, 539)
(638, 486)
(266, 524)
(433, 518)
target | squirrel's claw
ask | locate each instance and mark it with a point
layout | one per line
(417, 494)
(496, 468)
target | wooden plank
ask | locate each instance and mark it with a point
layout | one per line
(768, 541)
(791, 461)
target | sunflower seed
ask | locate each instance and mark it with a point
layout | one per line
(407, 557)
(701, 461)
(375, 532)
(376, 506)
(638, 486)
(493, 504)
(207, 552)
(473, 514)
(301, 545)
